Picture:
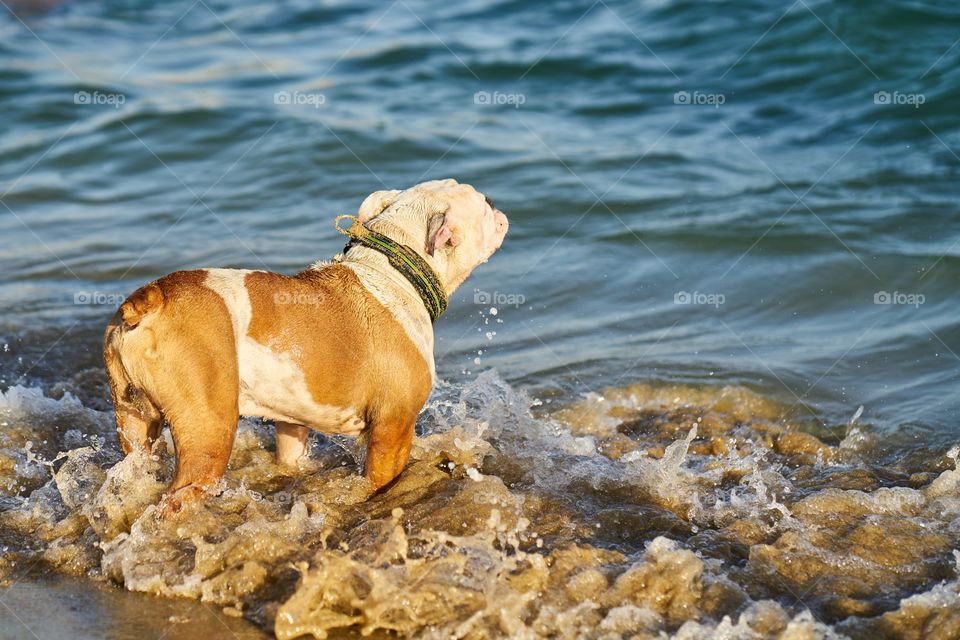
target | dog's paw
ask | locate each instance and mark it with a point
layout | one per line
(183, 499)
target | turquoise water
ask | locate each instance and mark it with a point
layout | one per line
(797, 199)
(754, 194)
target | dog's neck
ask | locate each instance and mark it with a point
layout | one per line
(414, 238)
(373, 268)
(392, 289)
(375, 264)
(407, 261)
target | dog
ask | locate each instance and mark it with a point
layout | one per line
(344, 346)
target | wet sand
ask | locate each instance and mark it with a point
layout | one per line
(60, 607)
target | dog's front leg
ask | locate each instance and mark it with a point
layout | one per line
(291, 442)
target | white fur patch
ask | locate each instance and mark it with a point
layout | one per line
(272, 386)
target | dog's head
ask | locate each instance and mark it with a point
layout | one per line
(453, 226)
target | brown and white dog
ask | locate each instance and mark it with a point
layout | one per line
(342, 347)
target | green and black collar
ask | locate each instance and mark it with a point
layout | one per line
(402, 258)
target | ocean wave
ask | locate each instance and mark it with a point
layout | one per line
(666, 510)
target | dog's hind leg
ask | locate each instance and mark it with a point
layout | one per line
(202, 410)
(203, 441)
(138, 419)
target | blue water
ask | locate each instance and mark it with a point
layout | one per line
(784, 166)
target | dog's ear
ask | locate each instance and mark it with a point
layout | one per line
(439, 233)
(375, 203)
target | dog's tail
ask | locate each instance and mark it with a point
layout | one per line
(141, 302)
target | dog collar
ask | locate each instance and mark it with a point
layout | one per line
(402, 258)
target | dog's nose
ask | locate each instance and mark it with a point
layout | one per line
(500, 221)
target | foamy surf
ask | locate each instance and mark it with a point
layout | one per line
(635, 512)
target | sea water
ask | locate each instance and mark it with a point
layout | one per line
(706, 389)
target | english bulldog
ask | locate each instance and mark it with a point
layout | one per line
(342, 347)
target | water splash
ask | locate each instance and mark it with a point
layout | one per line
(671, 512)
